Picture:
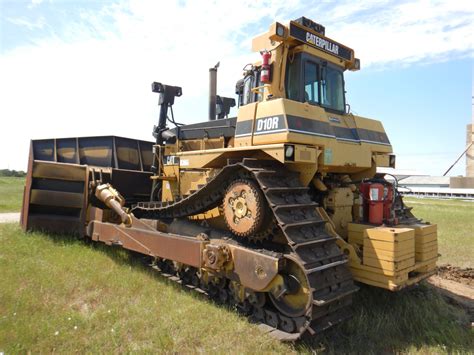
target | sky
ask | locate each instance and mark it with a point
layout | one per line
(81, 68)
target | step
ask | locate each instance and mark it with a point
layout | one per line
(316, 222)
(297, 206)
(289, 189)
(326, 266)
(313, 242)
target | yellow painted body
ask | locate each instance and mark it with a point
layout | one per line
(394, 257)
(381, 257)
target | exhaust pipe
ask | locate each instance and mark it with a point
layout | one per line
(213, 91)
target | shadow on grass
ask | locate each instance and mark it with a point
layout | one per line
(387, 322)
(383, 321)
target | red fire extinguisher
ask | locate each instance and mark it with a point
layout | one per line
(266, 71)
(376, 203)
(387, 205)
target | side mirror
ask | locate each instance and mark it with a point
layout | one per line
(223, 106)
(219, 108)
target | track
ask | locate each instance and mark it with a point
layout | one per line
(328, 278)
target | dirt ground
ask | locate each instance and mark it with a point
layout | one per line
(457, 286)
(454, 273)
(9, 217)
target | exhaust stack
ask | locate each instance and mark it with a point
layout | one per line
(213, 91)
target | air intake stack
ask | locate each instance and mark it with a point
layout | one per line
(213, 91)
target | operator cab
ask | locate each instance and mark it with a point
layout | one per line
(308, 79)
(313, 72)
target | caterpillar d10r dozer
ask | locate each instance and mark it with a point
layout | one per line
(278, 210)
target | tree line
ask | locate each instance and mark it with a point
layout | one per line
(14, 173)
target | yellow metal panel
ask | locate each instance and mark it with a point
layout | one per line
(245, 113)
(340, 197)
(263, 41)
(368, 273)
(426, 243)
(427, 255)
(306, 154)
(390, 246)
(389, 249)
(388, 255)
(213, 158)
(356, 232)
(391, 234)
(420, 248)
(387, 282)
(374, 271)
(382, 160)
(271, 138)
(389, 265)
(358, 227)
(429, 265)
(425, 239)
(356, 238)
(389, 279)
(422, 229)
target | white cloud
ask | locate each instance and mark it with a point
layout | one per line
(38, 24)
(35, 3)
(401, 33)
(86, 79)
(93, 76)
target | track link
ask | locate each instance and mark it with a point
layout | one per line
(309, 245)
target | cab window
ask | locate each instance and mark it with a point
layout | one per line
(247, 94)
(310, 79)
(332, 89)
(311, 82)
(293, 79)
(251, 81)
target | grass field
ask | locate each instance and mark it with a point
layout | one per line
(455, 220)
(59, 294)
(11, 193)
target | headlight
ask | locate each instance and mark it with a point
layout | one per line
(280, 30)
(289, 152)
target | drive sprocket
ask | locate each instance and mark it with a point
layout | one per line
(244, 208)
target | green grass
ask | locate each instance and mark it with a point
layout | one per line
(58, 294)
(11, 193)
(417, 320)
(455, 220)
(52, 284)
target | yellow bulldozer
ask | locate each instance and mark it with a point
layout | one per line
(279, 211)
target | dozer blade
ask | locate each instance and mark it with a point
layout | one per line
(56, 194)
